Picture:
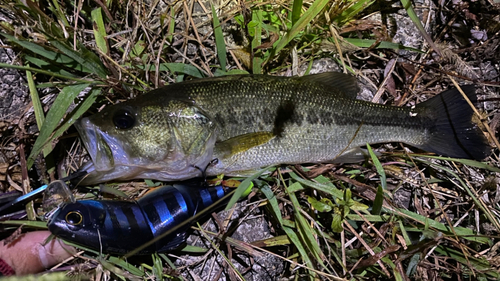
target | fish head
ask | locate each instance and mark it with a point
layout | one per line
(165, 141)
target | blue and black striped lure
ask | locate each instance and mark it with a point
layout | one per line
(118, 227)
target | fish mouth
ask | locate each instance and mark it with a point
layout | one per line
(101, 148)
(110, 159)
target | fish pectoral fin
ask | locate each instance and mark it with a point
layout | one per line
(352, 156)
(342, 84)
(242, 143)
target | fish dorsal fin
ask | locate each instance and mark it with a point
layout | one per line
(344, 84)
(242, 143)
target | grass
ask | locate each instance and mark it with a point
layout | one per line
(347, 222)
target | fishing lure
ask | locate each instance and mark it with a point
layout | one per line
(118, 227)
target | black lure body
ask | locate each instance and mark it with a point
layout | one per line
(118, 227)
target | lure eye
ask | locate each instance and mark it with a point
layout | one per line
(123, 119)
(74, 218)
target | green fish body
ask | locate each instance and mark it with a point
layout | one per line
(251, 121)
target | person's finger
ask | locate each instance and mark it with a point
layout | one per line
(27, 254)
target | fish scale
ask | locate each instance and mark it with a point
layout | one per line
(253, 121)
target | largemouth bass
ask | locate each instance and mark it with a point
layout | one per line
(253, 121)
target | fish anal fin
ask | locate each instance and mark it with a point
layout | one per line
(352, 156)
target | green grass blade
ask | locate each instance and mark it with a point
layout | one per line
(111, 259)
(171, 26)
(366, 43)
(413, 16)
(178, 68)
(35, 99)
(301, 24)
(294, 238)
(371, 218)
(379, 197)
(84, 57)
(479, 264)
(157, 267)
(41, 71)
(472, 194)
(39, 50)
(219, 40)
(305, 230)
(125, 265)
(78, 112)
(36, 224)
(466, 233)
(378, 166)
(296, 241)
(48, 66)
(256, 41)
(120, 273)
(273, 202)
(296, 11)
(330, 189)
(472, 163)
(242, 188)
(190, 249)
(378, 202)
(99, 30)
(353, 10)
(54, 116)
(37, 107)
(168, 261)
(50, 55)
(61, 15)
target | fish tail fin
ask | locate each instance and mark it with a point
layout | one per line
(454, 134)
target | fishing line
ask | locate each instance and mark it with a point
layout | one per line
(37, 192)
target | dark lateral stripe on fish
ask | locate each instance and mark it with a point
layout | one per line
(363, 112)
(286, 114)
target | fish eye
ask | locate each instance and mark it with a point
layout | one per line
(74, 218)
(123, 119)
